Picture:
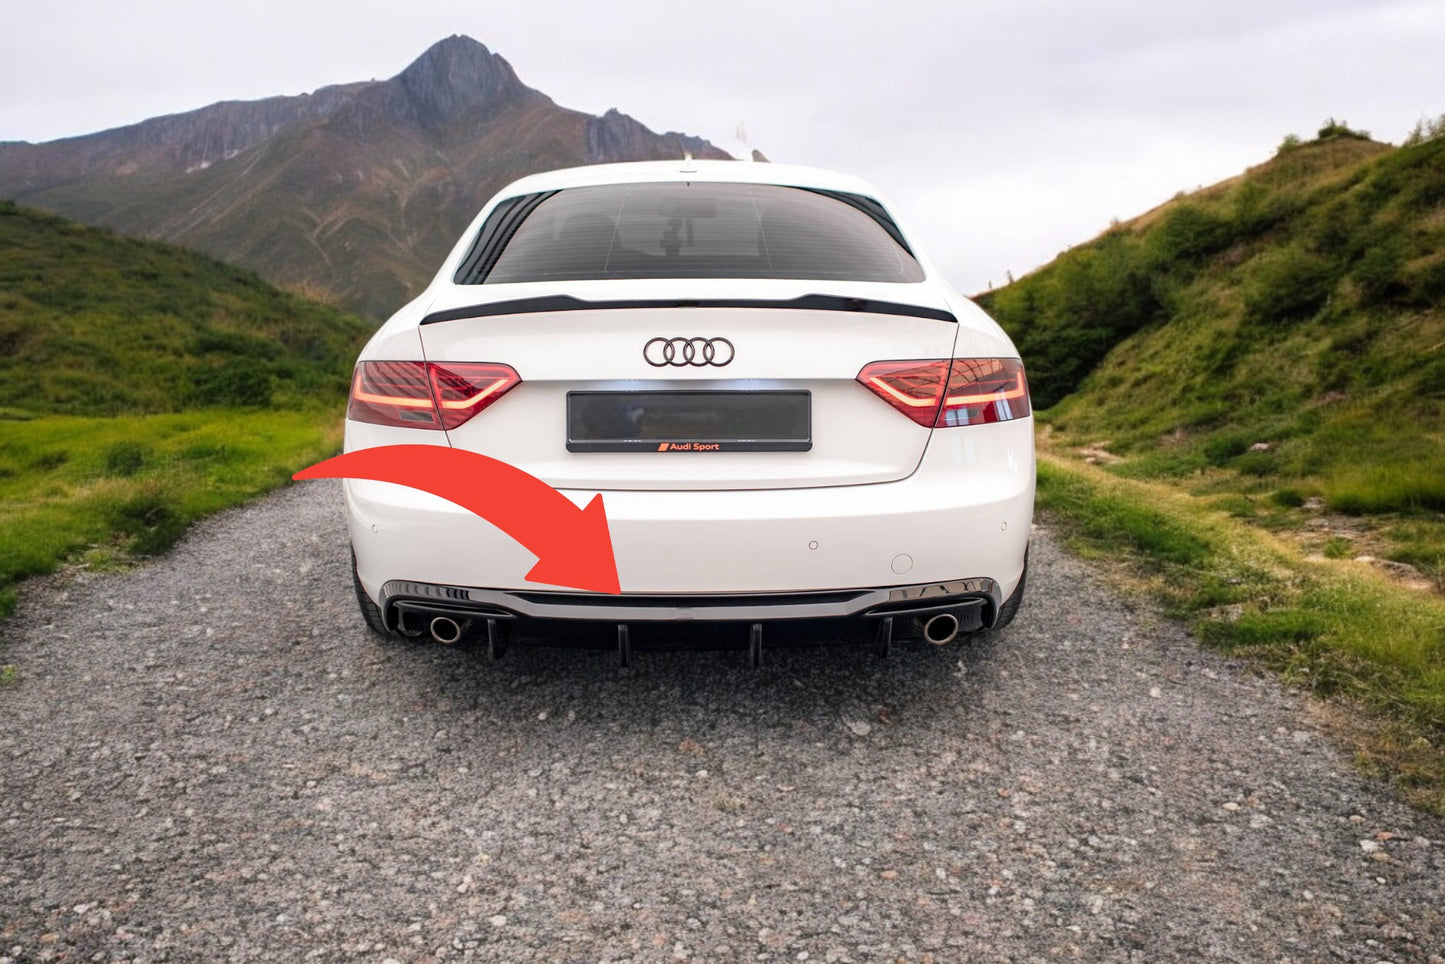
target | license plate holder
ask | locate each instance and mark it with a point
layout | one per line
(690, 421)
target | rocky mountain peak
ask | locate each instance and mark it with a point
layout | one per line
(453, 75)
(355, 191)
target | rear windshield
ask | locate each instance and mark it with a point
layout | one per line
(688, 230)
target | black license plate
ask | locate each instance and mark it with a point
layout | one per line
(700, 421)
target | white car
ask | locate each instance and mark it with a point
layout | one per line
(790, 414)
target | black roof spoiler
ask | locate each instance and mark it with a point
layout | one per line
(552, 303)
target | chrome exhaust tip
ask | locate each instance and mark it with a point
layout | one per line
(941, 629)
(445, 630)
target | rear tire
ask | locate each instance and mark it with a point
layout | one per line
(1010, 607)
(370, 611)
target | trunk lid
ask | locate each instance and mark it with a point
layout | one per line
(854, 437)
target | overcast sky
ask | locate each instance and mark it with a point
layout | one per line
(1003, 130)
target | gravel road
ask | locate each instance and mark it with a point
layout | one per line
(208, 758)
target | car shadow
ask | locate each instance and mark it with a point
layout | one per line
(797, 688)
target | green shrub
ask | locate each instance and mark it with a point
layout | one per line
(1338, 128)
(1257, 209)
(1424, 170)
(1287, 286)
(1188, 233)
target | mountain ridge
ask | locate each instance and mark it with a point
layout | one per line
(353, 192)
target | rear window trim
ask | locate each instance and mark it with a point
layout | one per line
(557, 303)
(495, 234)
(875, 210)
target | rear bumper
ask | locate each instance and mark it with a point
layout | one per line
(400, 599)
(962, 516)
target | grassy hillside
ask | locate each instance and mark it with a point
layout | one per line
(143, 386)
(1280, 336)
(1265, 360)
(96, 324)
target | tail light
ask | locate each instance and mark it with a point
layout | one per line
(462, 389)
(957, 391)
(433, 395)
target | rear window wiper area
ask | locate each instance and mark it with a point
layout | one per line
(694, 229)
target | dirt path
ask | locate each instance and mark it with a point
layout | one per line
(209, 759)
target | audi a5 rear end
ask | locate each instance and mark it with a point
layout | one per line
(789, 413)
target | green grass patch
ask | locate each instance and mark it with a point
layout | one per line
(1113, 520)
(1375, 488)
(1337, 628)
(102, 490)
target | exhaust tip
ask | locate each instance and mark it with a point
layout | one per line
(445, 630)
(941, 629)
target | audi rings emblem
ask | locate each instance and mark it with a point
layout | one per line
(684, 352)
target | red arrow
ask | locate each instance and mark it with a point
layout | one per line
(573, 546)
